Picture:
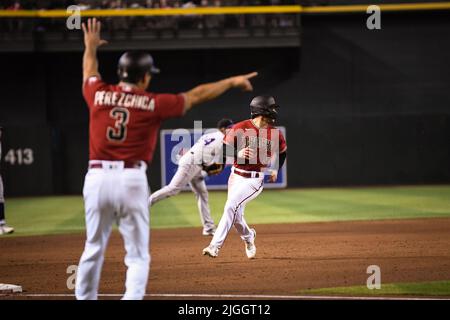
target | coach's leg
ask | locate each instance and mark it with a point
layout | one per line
(181, 178)
(198, 186)
(240, 191)
(135, 229)
(99, 217)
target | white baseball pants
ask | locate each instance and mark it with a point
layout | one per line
(191, 173)
(113, 193)
(241, 190)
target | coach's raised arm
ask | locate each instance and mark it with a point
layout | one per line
(193, 97)
(92, 41)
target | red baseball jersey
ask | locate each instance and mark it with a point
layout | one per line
(125, 120)
(265, 141)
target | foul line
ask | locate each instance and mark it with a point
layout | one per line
(229, 296)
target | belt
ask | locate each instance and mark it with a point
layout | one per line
(126, 165)
(248, 174)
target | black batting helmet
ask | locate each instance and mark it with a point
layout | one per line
(224, 123)
(264, 106)
(133, 65)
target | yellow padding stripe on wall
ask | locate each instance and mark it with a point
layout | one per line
(223, 10)
(383, 7)
(155, 12)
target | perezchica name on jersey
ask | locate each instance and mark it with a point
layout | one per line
(122, 99)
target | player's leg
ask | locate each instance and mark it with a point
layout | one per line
(241, 225)
(248, 234)
(4, 228)
(99, 219)
(240, 191)
(135, 230)
(181, 178)
(198, 186)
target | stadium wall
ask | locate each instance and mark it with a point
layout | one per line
(360, 107)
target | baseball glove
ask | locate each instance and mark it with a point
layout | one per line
(213, 169)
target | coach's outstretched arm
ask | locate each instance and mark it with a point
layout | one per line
(210, 91)
(92, 41)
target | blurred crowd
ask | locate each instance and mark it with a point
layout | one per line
(120, 4)
(152, 23)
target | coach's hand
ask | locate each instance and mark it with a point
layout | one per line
(209, 91)
(92, 34)
(243, 81)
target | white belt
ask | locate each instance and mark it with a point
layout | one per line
(253, 174)
(117, 165)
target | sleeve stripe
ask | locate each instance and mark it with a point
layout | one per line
(97, 77)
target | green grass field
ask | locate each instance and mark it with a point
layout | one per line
(434, 288)
(51, 215)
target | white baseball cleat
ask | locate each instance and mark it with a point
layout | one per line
(250, 248)
(209, 232)
(5, 229)
(211, 251)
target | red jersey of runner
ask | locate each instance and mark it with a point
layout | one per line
(265, 141)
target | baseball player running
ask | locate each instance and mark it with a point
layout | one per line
(4, 228)
(254, 143)
(204, 156)
(124, 124)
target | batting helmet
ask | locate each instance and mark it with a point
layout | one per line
(264, 106)
(224, 123)
(133, 65)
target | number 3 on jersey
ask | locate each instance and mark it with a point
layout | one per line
(119, 132)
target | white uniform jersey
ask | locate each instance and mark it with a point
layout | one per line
(208, 149)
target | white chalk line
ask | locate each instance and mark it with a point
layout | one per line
(231, 296)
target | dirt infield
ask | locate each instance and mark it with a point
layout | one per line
(290, 257)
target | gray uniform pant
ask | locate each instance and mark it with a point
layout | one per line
(2, 199)
(192, 174)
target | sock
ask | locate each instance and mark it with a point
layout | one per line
(2, 213)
